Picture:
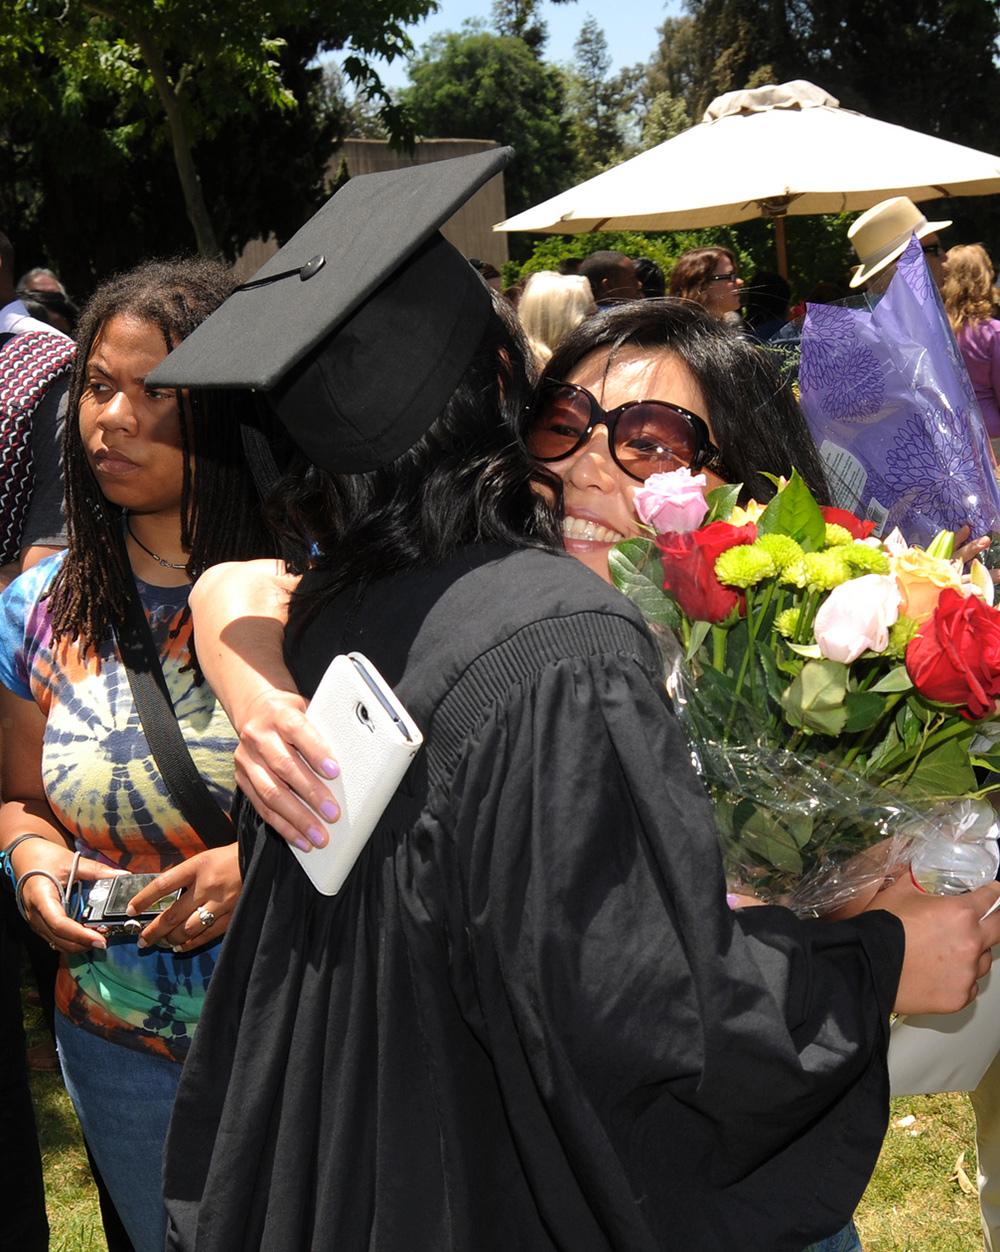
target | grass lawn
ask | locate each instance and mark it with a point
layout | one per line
(915, 1203)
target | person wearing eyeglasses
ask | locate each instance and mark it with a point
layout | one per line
(710, 277)
(879, 238)
(648, 388)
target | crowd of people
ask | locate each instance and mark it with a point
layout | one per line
(531, 1017)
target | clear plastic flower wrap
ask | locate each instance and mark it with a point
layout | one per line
(804, 831)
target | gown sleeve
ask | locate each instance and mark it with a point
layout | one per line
(725, 1071)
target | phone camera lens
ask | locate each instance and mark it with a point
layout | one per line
(363, 716)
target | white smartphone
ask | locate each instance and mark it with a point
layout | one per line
(373, 739)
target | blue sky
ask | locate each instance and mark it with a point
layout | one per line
(629, 25)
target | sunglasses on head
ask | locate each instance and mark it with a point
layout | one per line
(645, 436)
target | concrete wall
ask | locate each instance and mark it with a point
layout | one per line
(470, 229)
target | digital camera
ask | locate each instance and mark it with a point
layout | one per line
(105, 901)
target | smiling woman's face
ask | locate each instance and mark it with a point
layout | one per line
(598, 496)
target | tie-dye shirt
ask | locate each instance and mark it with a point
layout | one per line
(103, 785)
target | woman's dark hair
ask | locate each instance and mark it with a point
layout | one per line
(756, 422)
(693, 270)
(220, 512)
(468, 480)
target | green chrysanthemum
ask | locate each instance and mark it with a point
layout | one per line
(900, 634)
(782, 549)
(744, 566)
(787, 622)
(837, 536)
(864, 560)
(818, 571)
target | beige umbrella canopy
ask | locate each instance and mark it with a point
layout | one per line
(787, 148)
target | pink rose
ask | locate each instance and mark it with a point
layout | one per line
(856, 617)
(673, 502)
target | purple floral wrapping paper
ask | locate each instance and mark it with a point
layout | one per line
(893, 413)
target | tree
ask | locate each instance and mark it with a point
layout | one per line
(192, 68)
(666, 118)
(519, 19)
(480, 86)
(597, 104)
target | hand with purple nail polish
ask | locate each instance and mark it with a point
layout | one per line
(277, 763)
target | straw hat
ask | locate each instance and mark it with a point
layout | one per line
(880, 235)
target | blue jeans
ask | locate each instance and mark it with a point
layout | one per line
(123, 1099)
(845, 1240)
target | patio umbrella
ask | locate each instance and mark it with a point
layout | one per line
(787, 148)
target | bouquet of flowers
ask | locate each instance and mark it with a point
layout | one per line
(835, 688)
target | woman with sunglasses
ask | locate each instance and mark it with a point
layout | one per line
(710, 277)
(646, 388)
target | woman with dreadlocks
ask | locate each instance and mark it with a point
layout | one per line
(157, 489)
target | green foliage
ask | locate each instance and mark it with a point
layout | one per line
(795, 513)
(815, 698)
(634, 569)
(519, 19)
(112, 95)
(667, 117)
(597, 104)
(662, 247)
(481, 86)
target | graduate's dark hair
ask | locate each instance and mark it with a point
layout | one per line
(756, 421)
(221, 517)
(468, 480)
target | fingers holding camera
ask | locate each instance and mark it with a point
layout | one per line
(210, 886)
(42, 867)
(47, 917)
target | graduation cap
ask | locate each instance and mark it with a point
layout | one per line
(359, 329)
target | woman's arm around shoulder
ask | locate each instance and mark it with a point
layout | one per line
(240, 610)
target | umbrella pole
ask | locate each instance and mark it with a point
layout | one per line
(779, 244)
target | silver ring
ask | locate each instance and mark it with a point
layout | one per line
(206, 917)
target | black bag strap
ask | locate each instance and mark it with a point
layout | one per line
(163, 734)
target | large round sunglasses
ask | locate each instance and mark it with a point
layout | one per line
(645, 436)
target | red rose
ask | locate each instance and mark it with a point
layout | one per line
(840, 517)
(955, 659)
(689, 568)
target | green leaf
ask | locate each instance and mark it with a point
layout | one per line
(721, 501)
(636, 571)
(945, 771)
(887, 746)
(772, 678)
(863, 710)
(699, 632)
(910, 726)
(815, 699)
(897, 679)
(768, 837)
(794, 512)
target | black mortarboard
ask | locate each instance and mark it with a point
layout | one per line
(359, 329)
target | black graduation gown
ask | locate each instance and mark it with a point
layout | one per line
(528, 1021)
